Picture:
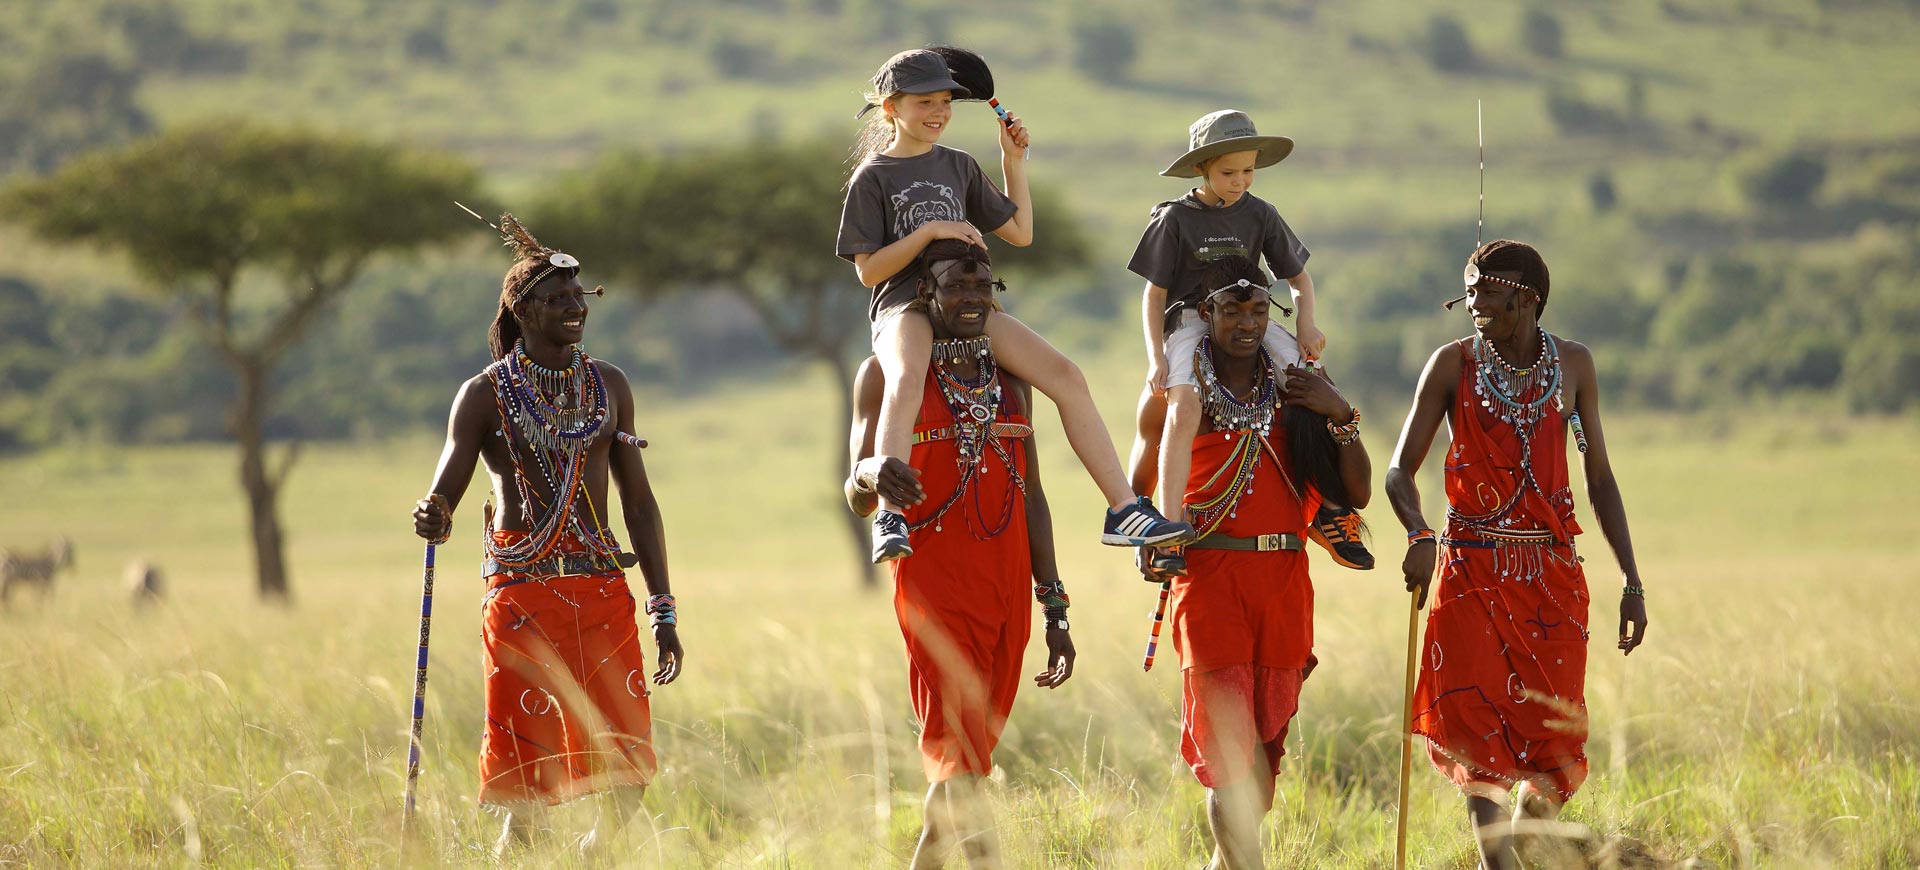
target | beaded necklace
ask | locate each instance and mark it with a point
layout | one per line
(1518, 397)
(974, 405)
(1251, 422)
(547, 410)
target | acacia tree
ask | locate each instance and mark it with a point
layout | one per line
(202, 209)
(757, 222)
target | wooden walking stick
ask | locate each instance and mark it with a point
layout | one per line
(1406, 729)
(419, 695)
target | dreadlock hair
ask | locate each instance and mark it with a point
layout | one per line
(505, 330)
(1225, 272)
(876, 131)
(1507, 255)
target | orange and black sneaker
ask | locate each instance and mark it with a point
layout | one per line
(1338, 530)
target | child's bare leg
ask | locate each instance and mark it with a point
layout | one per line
(1028, 356)
(1176, 446)
(904, 348)
(1145, 461)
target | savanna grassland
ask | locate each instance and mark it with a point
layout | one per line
(1771, 720)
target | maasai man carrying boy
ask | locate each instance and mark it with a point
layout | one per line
(1243, 615)
(982, 543)
(1219, 218)
(1501, 694)
(566, 679)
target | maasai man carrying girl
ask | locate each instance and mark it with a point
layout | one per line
(1219, 218)
(1265, 453)
(566, 678)
(981, 544)
(908, 190)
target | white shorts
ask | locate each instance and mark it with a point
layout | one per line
(1185, 339)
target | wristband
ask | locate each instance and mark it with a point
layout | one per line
(1418, 535)
(1634, 591)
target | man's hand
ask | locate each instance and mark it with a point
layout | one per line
(667, 638)
(1312, 341)
(1157, 573)
(1014, 137)
(1157, 373)
(1060, 653)
(432, 520)
(1417, 568)
(1310, 388)
(1633, 612)
(892, 479)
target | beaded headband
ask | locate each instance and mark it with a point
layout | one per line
(1473, 276)
(1241, 284)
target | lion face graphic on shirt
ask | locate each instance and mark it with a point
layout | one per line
(924, 201)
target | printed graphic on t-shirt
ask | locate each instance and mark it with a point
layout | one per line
(922, 202)
(1215, 247)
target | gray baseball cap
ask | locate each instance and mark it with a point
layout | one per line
(915, 71)
(1225, 132)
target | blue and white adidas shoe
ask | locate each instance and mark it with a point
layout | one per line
(1138, 524)
(890, 537)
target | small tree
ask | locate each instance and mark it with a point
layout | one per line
(196, 209)
(1781, 181)
(762, 230)
(1104, 49)
(1447, 46)
(1541, 32)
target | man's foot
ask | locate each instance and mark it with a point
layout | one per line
(1138, 524)
(1338, 530)
(890, 537)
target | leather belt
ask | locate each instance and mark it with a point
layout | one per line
(1258, 544)
(1000, 430)
(1494, 543)
(563, 565)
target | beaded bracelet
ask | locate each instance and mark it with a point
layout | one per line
(1418, 535)
(1052, 594)
(661, 608)
(1633, 590)
(1345, 433)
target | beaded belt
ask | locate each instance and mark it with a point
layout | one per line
(566, 564)
(1497, 540)
(1257, 544)
(1000, 430)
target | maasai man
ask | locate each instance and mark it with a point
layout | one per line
(982, 542)
(1243, 612)
(1502, 680)
(566, 678)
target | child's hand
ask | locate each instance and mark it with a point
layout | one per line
(1014, 137)
(961, 230)
(1312, 341)
(1157, 374)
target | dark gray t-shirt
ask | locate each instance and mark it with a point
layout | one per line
(890, 197)
(1184, 235)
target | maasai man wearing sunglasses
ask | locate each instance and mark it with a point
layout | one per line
(1271, 443)
(982, 544)
(566, 677)
(1503, 673)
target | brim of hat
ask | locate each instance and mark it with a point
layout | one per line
(933, 87)
(1273, 149)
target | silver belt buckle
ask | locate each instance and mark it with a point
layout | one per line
(1268, 543)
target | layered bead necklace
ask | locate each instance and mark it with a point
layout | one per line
(1251, 421)
(556, 413)
(974, 405)
(1518, 397)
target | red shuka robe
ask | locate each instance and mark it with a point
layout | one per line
(1242, 621)
(965, 597)
(1501, 696)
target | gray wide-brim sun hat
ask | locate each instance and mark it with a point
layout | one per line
(914, 71)
(1225, 132)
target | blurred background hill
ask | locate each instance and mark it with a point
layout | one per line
(1727, 192)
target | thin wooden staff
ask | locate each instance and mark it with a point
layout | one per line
(419, 694)
(1159, 616)
(1406, 729)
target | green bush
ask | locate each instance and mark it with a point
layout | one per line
(1104, 50)
(1447, 45)
(1541, 33)
(1781, 180)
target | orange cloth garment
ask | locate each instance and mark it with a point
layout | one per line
(965, 597)
(566, 687)
(1242, 621)
(1501, 696)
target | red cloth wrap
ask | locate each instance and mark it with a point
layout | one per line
(566, 687)
(1242, 621)
(964, 599)
(1501, 696)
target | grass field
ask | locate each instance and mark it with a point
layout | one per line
(1771, 721)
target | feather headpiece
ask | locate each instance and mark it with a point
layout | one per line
(526, 249)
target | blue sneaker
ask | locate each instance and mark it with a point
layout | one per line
(1138, 524)
(890, 537)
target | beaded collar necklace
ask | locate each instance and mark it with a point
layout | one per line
(556, 413)
(1227, 412)
(1250, 422)
(1518, 397)
(974, 404)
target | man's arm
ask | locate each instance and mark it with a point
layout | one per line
(466, 426)
(1312, 389)
(869, 477)
(1603, 491)
(1431, 399)
(645, 530)
(1046, 568)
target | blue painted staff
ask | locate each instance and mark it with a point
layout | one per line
(419, 691)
